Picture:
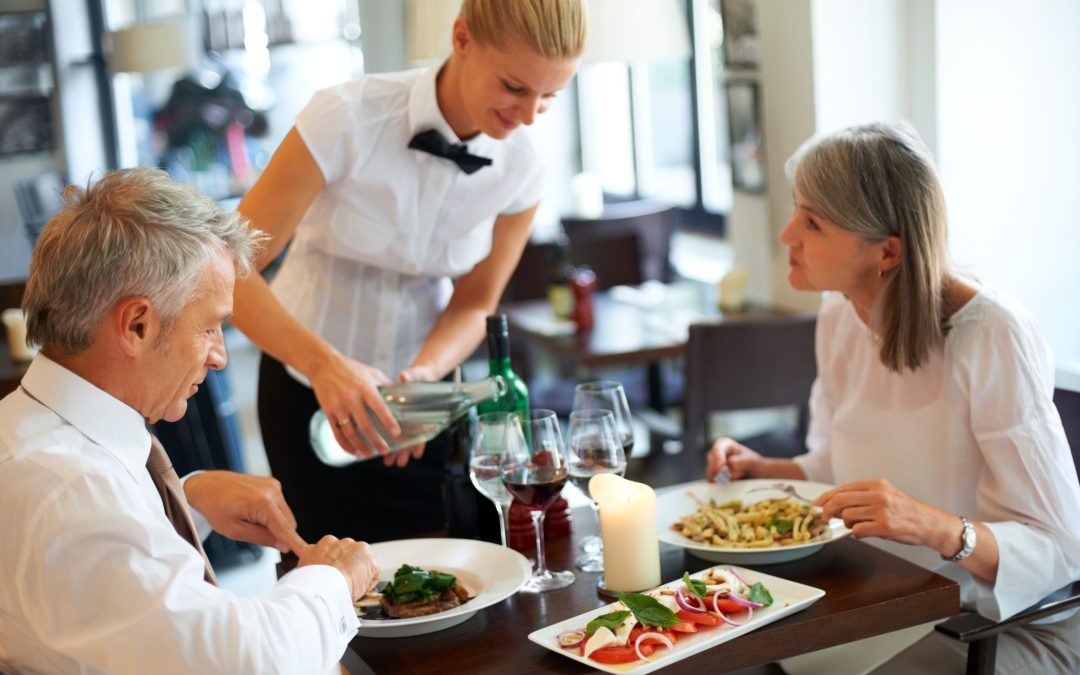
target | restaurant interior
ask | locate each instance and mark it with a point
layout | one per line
(664, 198)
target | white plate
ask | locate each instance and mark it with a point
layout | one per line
(788, 597)
(676, 501)
(489, 572)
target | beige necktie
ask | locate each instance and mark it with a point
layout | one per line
(172, 496)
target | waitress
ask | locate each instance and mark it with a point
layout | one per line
(408, 199)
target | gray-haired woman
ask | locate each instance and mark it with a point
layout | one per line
(932, 411)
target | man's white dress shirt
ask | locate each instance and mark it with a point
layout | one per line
(974, 431)
(370, 265)
(93, 577)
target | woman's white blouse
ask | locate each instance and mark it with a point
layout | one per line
(370, 265)
(974, 431)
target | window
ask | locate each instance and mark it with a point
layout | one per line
(658, 129)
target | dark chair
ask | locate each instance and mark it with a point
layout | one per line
(39, 197)
(652, 223)
(979, 633)
(749, 363)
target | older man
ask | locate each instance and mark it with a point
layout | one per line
(101, 569)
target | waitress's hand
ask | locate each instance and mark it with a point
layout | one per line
(346, 389)
(877, 508)
(402, 457)
(738, 460)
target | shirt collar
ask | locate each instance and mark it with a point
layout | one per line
(101, 417)
(424, 113)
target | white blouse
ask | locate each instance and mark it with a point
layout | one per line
(370, 266)
(974, 431)
(93, 577)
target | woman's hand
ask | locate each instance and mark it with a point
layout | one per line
(739, 460)
(345, 390)
(877, 508)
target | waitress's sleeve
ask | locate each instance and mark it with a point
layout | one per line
(531, 190)
(334, 136)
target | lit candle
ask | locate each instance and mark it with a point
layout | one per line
(628, 530)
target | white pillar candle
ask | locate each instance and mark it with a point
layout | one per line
(15, 322)
(628, 530)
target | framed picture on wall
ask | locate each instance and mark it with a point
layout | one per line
(25, 125)
(24, 54)
(741, 45)
(744, 126)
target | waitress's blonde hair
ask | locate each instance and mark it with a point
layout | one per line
(879, 181)
(555, 28)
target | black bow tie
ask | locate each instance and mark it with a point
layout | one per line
(431, 141)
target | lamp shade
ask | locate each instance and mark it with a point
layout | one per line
(145, 47)
(637, 30)
(427, 30)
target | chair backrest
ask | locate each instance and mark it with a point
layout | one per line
(530, 278)
(616, 260)
(653, 224)
(39, 197)
(743, 364)
(1068, 406)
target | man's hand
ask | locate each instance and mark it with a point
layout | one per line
(245, 508)
(352, 558)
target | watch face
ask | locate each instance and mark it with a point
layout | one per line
(969, 537)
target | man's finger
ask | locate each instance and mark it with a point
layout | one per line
(283, 532)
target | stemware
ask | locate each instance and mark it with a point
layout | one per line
(603, 395)
(595, 448)
(534, 471)
(493, 438)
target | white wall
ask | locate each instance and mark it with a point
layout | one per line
(1009, 149)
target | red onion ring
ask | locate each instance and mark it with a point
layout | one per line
(738, 576)
(684, 603)
(739, 600)
(725, 618)
(566, 641)
(651, 636)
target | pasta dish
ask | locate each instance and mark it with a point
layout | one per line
(763, 524)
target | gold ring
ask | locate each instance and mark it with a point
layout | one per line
(344, 423)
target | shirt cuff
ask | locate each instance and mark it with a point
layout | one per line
(328, 585)
(1028, 570)
(202, 525)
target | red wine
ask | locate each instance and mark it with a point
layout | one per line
(535, 488)
(628, 446)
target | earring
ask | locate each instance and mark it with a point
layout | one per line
(881, 273)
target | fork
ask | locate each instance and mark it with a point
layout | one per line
(785, 488)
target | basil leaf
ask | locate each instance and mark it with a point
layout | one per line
(648, 610)
(696, 587)
(610, 621)
(760, 594)
(782, 525)
(440, 581)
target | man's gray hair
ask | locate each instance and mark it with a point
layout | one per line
(135, 232)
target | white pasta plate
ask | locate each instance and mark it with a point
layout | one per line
(788, 597)
(680, 500)
(490, 573)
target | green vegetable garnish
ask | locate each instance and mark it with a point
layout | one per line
(696, 587)
(782, 525)
(610, 621)
(648, 610)
(412, 584)
(760, 594)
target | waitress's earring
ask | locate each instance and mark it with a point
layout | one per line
(881, 273)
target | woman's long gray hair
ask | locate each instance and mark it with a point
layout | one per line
(878, 181)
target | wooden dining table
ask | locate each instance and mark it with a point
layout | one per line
(867, 592)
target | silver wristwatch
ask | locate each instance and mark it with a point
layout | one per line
(967, 538)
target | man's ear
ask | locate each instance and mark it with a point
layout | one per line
(137, 324)
(892, 253)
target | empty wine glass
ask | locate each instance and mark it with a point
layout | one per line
(485, 463)
(595, 448)
(534, 471)
(603, 395)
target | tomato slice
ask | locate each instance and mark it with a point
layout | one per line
(726, 605)
(619, 654)
(666, 632)
(684, 627)
(705, 619)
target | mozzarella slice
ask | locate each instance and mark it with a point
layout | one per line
(603, 637)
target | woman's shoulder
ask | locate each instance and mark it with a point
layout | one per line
(383, 91)
(995, 310)
(994, 332)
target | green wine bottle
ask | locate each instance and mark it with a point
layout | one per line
(516, 399)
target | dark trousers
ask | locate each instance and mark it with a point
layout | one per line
(366, 501)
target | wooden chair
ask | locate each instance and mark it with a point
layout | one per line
(651, 223)
(745, 364)
(981, 634)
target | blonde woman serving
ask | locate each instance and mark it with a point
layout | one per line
(932, 410)
(408, 198)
